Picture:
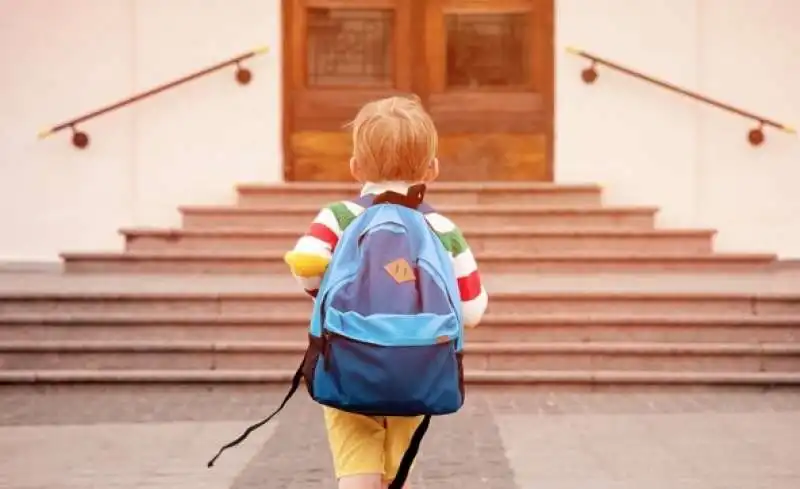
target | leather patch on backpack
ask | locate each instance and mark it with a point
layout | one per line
(400, 271)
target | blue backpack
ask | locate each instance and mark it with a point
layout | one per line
(386, 333)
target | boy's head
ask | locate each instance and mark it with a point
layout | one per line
(394, 139)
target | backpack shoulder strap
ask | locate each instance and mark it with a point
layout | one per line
(412, 199)
(295, 384)
(411, 453)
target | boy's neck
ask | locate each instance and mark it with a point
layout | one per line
(381, 187)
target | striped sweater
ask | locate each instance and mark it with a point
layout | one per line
(326, 229)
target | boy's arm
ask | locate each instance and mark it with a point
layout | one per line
(473, 296)
(319, 241)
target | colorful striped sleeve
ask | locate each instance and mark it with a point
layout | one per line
(322, 236)
(473, 295)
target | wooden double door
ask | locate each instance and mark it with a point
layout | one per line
(483, 69)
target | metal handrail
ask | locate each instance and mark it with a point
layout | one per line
(755, 136)
(81, 140)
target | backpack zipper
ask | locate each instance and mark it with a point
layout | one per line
(326, 335)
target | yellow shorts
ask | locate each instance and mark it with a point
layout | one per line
(368, 444)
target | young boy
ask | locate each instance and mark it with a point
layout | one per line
(394, 147)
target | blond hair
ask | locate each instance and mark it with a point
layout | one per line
(394, 139)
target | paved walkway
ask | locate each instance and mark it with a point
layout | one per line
(161, 437)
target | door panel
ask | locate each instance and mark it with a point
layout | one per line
(482, 68)
(493, 156)
(322, 155)
(330, 109)
(489, 98)
(342, 54)
(476, 112)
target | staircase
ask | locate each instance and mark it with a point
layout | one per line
(580, 293)
(513, 228)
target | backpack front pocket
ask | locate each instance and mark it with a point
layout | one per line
(379, 380)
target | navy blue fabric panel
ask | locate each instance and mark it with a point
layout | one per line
(393, 381)
(374, 291)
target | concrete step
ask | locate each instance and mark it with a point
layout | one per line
(596, 303)
(490, 262)
(580, 379)
(604, 241)
(495, 328)
(244, 355)
(753, 284)
(533, 193)
(483, 216)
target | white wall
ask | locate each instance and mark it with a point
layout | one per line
(191, 145)
(649, 146)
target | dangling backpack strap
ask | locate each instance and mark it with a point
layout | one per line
(411, 454)
(295, 384)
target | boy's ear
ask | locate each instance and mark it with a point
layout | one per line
(433, 170)
(355, 170)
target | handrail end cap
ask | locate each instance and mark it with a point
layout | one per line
(45, 133)
(573, 50)
(789, 129)
(261, 50)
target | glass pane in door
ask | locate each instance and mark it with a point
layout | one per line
(350, 47)
(487, 50)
